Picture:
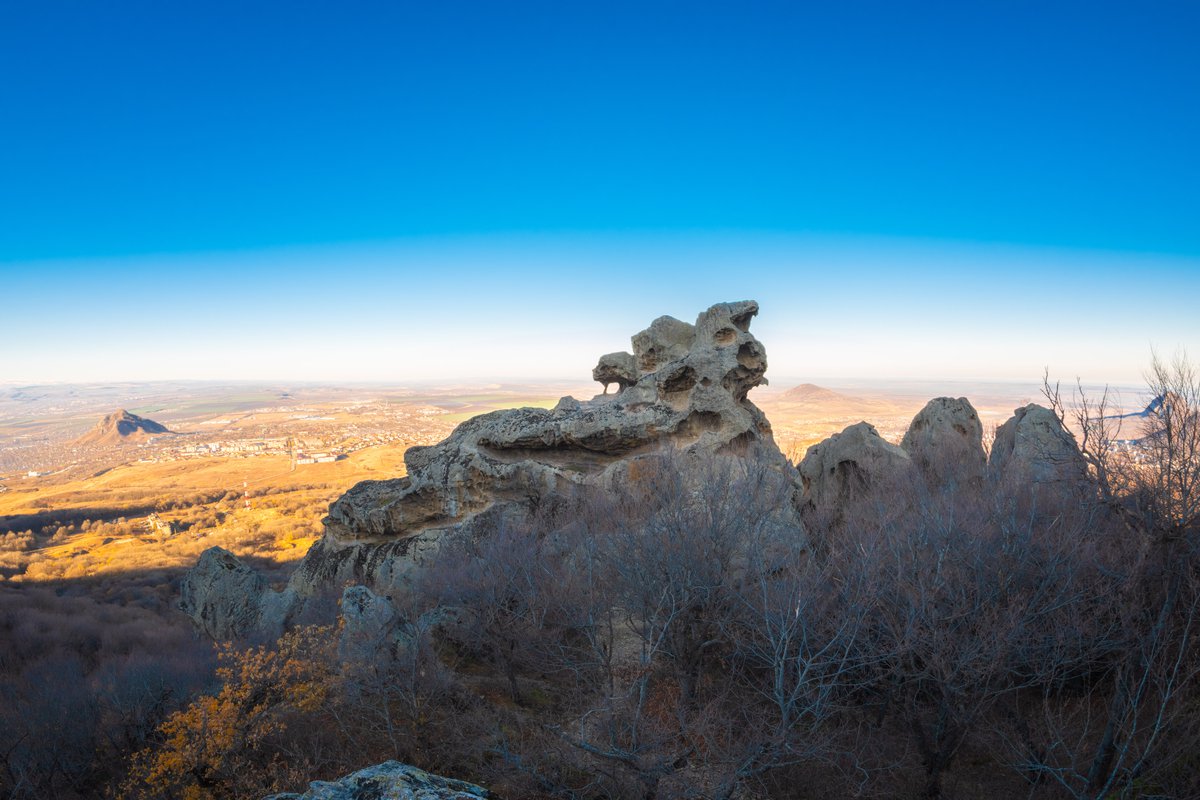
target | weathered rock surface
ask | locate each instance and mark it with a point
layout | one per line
(618, 368)
(848, 469)
(369, 625)
(683, 388)
(226, 598)
(945, 442)
(390, 780)
(1033, 447)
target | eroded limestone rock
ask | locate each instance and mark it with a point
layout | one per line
(847, 470)
(618, 368)
(945, 442)
(390, 780)
(1033, 447)
(227, 599)
(684, 387)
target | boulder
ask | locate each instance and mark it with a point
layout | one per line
(618, 368)
(844, 473)
(223, 596)
(945, 443)
(1034, 448)
(684, 388)
(390, 780)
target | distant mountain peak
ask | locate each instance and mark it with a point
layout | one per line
(810, 392)
(120, 427)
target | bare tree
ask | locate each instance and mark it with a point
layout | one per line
(1152, 484)
(677, 547)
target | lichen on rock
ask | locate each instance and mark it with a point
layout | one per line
(390, 780)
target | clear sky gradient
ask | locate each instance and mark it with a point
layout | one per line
(397, 191)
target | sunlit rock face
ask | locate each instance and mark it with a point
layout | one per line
(1034, 448)
(684, 387)
(846, 474)
(682, 391)
(945, 442)
(390, 780)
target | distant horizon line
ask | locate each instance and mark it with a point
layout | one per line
(776, 383)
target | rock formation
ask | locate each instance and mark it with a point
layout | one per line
(121, 427)
(683, 388)
(1033, 447)
(857, 472)
(945, 442)
(847, 470)
(390, 780)
(683, 385)
(227, 599)
(368, 626)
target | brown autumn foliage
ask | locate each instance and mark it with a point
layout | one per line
(245, 739)
(85, 680)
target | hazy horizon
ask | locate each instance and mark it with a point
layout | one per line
(891, 310)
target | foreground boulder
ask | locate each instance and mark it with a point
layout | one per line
(390, 780)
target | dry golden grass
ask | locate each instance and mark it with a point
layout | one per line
(99, 525)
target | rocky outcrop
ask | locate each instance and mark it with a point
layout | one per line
(225, 598)
(368, 626)
(945, 443)
(390, 780)
(848, 470)
(1034, 448)
(618, 368)
(683, 387)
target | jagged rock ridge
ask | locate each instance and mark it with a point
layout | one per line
(942, 450)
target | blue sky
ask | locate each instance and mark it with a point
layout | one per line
(401, 190)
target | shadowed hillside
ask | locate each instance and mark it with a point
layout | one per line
(121, 427)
